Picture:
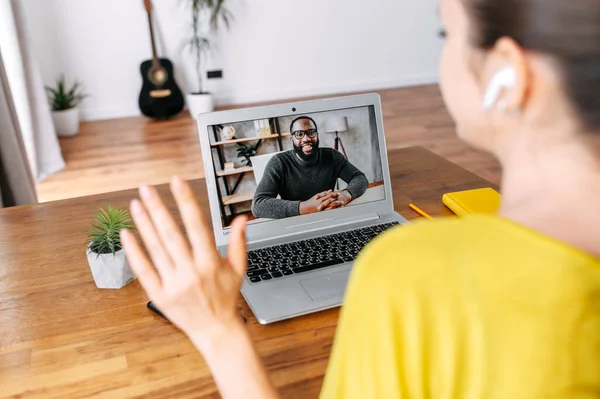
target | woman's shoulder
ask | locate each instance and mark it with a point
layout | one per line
(425, 237)
(481, 242)
(416, 249)
(464, 235)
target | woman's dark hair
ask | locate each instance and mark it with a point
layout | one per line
(567, 30)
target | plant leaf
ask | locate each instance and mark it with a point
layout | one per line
(61, 97)
(108, 223)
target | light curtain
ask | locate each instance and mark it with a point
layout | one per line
(28, 96)
(16, 181)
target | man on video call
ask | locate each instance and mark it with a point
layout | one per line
(305, 177)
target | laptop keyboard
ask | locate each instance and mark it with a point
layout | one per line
(312, 254)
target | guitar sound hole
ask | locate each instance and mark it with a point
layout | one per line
(158, 76)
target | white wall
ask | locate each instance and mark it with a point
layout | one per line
(276, 49)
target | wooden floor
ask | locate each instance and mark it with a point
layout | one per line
(118, 154)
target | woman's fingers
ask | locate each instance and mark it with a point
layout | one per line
(140, 264)
(200, 236)
(236, 252)
(164, 224)
(155, 247)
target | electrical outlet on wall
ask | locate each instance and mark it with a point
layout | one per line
(215, 74)
(214, 81)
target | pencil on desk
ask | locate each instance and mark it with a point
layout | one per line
(419, 211)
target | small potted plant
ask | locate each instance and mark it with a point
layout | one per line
(247, 152)
(104, 252)
(64, 102)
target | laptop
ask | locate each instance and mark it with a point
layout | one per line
(314, 181)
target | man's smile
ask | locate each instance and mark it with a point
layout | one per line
(307, 148)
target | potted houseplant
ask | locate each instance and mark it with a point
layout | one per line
(104, 252)
(247, 152)
(207, 16)
(63, 102)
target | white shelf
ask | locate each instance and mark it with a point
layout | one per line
(236, 171)
(246, 139)
(237, 198)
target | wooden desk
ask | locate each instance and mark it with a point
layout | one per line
(60, 336)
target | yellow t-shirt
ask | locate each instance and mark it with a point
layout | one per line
(477, 307)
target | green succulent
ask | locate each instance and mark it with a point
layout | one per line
(62, 98)
(108, 223)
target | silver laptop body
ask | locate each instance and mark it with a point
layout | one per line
(311, 291)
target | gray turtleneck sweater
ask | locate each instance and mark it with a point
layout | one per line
(295, 180)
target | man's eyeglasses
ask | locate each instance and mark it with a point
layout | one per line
(299, 134)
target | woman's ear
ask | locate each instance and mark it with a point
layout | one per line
(508, 78)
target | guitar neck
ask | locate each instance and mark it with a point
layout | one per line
(155, 62)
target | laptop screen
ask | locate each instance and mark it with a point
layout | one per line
(284, 167)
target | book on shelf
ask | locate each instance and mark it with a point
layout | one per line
(257, 128)
(262, 127)
(265, 128)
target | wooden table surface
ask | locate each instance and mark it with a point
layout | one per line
(60, 336)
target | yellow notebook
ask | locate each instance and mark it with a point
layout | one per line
(483, 200)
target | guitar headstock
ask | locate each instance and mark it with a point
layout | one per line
(148, 5)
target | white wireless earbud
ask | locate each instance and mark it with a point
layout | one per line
(504, 79)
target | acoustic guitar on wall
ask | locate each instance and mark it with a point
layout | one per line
(160, 97)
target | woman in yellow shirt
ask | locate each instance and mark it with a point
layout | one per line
(509, 309)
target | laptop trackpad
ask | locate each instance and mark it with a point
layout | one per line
(326, 286)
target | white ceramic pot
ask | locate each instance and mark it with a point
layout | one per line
(66, 122)
(199, 103)
(110, 271)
